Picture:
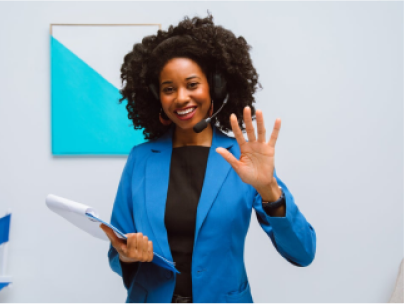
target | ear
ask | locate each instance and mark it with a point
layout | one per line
(211, 110)
(164, 122)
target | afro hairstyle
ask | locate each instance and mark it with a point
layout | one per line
(212, 47)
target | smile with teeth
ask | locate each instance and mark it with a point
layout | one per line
(187, 111)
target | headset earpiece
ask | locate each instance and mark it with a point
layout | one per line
(218, 87)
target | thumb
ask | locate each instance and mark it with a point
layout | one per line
(107, 231)
(228, 157)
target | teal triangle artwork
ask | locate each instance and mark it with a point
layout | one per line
(86, 116)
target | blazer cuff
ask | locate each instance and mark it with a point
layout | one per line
(128, 272)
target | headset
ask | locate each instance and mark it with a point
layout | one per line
(218, 92)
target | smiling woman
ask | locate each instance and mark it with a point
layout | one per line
(187, 195)
(214, 50)
(185, 98)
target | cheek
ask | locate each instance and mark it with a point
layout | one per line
(203, 96)
(165, 102)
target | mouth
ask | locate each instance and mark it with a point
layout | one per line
(186, 113)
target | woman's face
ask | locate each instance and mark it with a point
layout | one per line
(184, 92)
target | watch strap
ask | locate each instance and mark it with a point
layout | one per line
(276, 204)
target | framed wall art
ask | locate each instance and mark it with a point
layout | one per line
(86, 118)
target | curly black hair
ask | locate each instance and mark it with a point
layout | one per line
(212, 47)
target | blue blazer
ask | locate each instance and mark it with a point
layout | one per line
(223, 217)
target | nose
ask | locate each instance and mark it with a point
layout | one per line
(182, 96)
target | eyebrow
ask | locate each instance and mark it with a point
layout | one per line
(188, 78)
(193, 76)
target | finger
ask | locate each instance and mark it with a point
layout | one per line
(132, 245)
(119, 244)
(123, 249)
(260, 126)
(150, 251)
(104, 228)
(145, 254)
(249, 124)
(110, 233)
(236, 130)
(275, 132)
(140, 246)
(228, 157)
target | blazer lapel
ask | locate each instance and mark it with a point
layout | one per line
(157, 178)
(216, 172)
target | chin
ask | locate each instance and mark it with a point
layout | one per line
(188, 124)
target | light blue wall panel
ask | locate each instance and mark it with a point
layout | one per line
(86, 116)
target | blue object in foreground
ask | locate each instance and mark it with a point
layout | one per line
(2, 285)
(4, 228)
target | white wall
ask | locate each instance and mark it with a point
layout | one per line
(333, 71)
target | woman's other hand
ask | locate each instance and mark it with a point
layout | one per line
(137, 247)
(257, 160)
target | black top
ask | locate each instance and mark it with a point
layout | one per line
(188, 166)
(187, 172)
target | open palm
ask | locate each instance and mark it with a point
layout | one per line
(257, 159)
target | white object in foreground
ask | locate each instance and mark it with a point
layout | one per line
(80, 215)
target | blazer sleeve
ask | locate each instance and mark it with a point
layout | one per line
(292, 236)
(122, 218)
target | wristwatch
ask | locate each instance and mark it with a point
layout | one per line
(274, 205)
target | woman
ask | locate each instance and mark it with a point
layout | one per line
(188, 196)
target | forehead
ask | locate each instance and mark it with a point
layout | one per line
(180, 67)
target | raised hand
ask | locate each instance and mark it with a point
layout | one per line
(137, 247)
(257, 159)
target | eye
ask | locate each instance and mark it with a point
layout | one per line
(193, 85)
(168, 90)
